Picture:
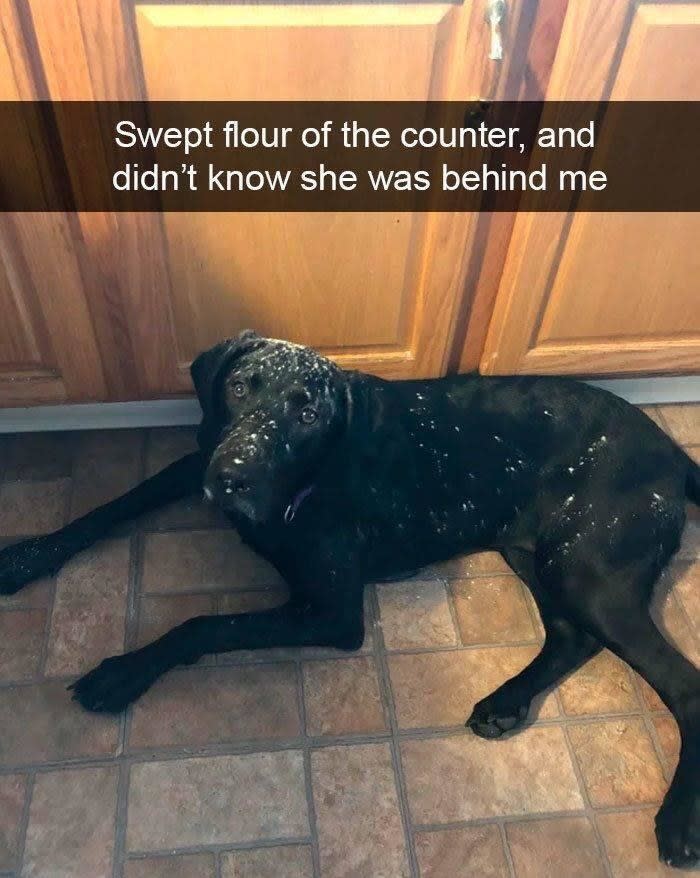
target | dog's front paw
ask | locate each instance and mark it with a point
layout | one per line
(493, 717)
(678, 829)
(114, 683)
(28, 560)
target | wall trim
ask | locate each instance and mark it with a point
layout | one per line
(179, 412)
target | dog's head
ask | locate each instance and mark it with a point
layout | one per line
(271, 412)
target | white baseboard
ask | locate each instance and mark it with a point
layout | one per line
(178, 412)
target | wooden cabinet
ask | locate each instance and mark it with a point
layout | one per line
(591, 293)
(48, 348)
(379, 292)
(115, 306)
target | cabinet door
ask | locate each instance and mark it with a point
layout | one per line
(48, 351)
(607, 293)
(378, 292)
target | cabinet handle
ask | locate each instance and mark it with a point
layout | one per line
(495, 13)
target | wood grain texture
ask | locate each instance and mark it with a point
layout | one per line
(607, 293)
(48, 350)
(124, 258)
(377, 291)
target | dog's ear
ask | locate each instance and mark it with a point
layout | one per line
(208, 372)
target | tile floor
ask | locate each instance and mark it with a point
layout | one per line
(297, 764)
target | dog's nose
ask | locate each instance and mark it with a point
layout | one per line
(230, 483)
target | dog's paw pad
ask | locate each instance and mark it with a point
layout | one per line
(487, 721)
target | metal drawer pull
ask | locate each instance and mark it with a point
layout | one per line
(495, 13)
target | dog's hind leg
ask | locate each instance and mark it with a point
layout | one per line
(44, 555)
(566, 646)
(614, 610)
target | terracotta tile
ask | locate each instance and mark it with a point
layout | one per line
(649, 696)
(285, 861)
(492, 609)
(89, 613)
(13, 790)
(441, 688)
(217, 800)
(21, 642)
(565, 847)
(342, 697)
(686, 587)
(184, 866)
(473, 850)
(163, 447)
(202, 706)
(683, 423)
(631, 846)
(654, 412)
(477, 564)
(32, 507)
(618, 762)
(690, 541)
(415, 614)
(190, 512)
(71, 824)
(357, 813)
(42, 456)
(160, 613)
(107, 463)
(534, 614)
(203, 561)
(669, 738)
(673, 623)
(254, 601)
(602, 685)
(34, 595)
(463, 777)
(42, 724)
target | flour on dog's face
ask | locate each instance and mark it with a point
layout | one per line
(283, 403)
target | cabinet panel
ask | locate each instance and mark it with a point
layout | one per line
(616, 292)
(48, 351)
(346, 283)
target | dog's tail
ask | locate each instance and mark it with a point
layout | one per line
(692, 480)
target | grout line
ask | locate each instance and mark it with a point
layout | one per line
(388, 701)
(120, 811)
(453, 612)
(647, 717)
(589, 810)
(506, 848)
(251, 844)
(24, 822)
(308, 782)
(532, 817)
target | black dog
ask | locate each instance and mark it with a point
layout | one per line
(340, 479)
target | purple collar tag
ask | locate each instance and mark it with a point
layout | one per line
(293, 507)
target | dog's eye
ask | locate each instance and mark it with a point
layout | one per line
(308, 415)
(238, 389)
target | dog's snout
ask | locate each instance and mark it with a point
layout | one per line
(231, 483)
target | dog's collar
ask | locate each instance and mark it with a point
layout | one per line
(293, 507)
